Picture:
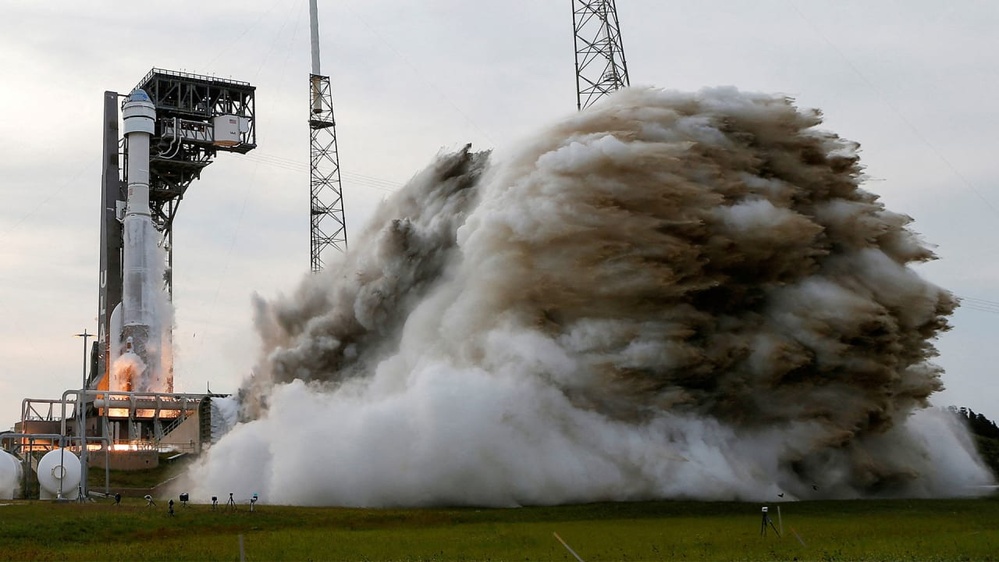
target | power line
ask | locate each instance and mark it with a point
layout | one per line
(51, 194)
(884, 99)
(299, 166)
(981, 305)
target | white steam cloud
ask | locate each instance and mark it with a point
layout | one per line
(667, 295)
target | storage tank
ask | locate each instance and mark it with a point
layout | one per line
(59, 466)
(10, 476)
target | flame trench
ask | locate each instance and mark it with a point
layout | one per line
(666, 295)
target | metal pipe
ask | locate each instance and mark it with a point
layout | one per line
(127, 400)
(78, 393)
(83, 416)
(142, 405)
(62, 469)
(106, 442)
(14, 435)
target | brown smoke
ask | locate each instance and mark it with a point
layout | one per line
(703, 269)
(337, 324)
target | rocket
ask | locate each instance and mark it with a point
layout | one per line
(134, 323)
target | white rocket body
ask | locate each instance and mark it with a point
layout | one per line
(141, 286)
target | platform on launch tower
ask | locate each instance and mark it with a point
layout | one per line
(196, 117)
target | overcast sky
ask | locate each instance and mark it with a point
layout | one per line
(916, 83)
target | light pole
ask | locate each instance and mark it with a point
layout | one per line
(83, 418)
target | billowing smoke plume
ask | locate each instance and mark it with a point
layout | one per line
(666, 295)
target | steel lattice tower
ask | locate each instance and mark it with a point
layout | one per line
(600, 65)
(328, 225)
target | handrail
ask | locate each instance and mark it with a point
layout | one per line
(180, 74)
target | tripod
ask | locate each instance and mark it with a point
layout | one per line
(767, 521)
(231, 503)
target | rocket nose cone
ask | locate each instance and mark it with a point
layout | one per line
(138, 94)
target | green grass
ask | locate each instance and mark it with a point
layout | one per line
(846, 530)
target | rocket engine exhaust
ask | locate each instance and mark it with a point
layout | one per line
(667, 295)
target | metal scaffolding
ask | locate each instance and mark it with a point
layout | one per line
(329, 229)
(600, 64)
(328, 225)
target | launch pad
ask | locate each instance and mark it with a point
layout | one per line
(196, 116)
(174, 125)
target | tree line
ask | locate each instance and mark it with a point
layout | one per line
(985, 433)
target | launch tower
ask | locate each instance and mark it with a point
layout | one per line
(188, 120)
(600, 64)
(328, 225)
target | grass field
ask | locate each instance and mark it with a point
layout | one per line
(827, 530)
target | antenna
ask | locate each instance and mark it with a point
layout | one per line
(600, 65)
(314, 28)
(328, 224)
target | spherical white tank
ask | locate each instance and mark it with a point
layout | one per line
(10, 475)
(59, 467)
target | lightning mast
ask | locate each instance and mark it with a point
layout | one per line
(600, 65)
(329, 228)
